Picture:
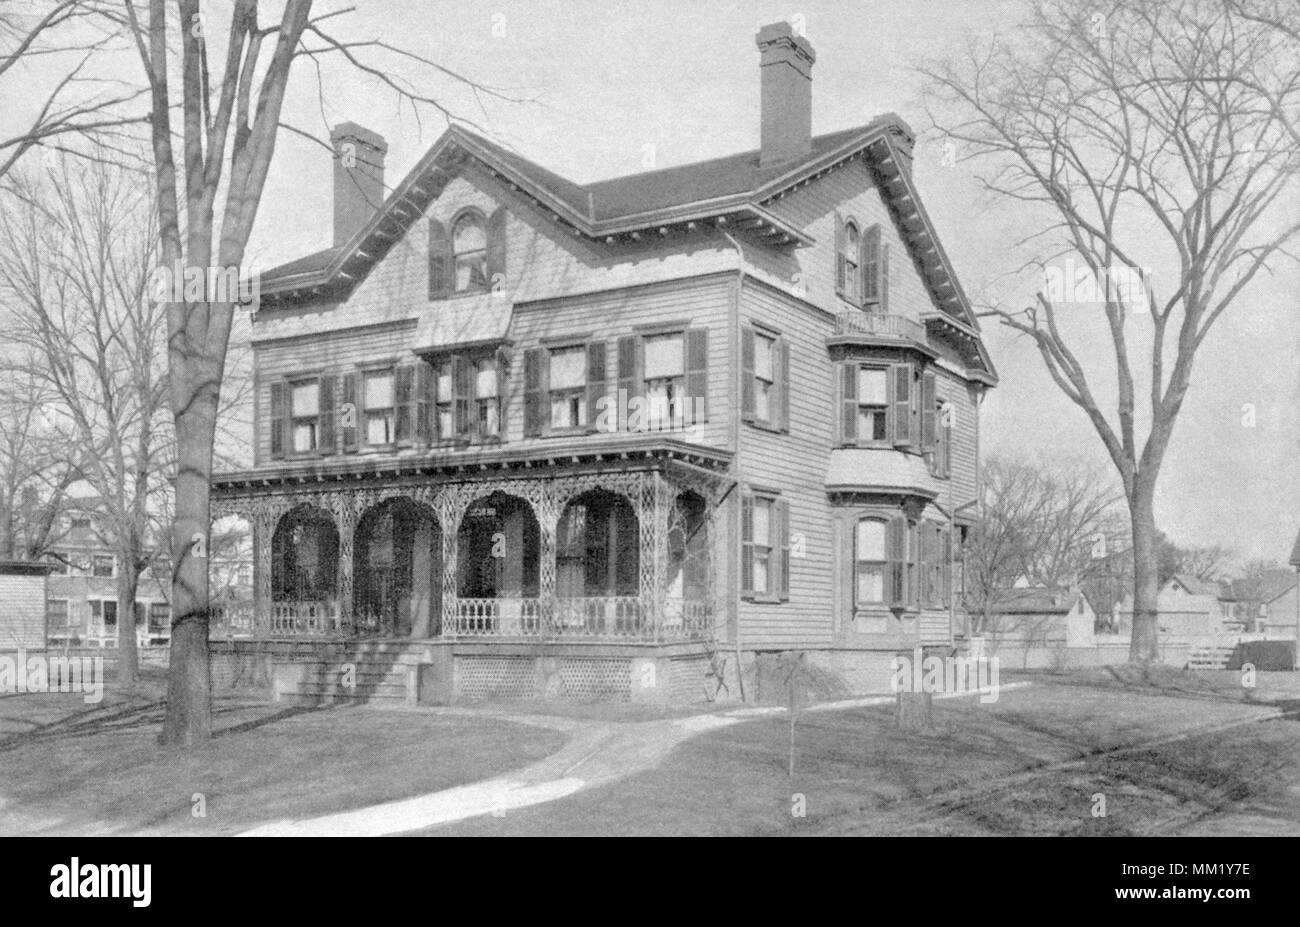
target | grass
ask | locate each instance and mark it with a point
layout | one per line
(69, 768)
(1052, 748)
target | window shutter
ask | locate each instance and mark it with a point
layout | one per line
(929, 414)
(896, 539)
(841, 270)
(697, 375)
(849, 404)
(946, 568)
(279, 418)
(781, 363)
(462, 391)
(440, 269)
(900, 403)
(536, 407)
(350, 413)
(782, 512)
(945, 443)
(747, 544)
(403, 402)
(496, 249)
(424, 411)
(884, 277)
(746, 373)
(871, 265)
(596, 382)
(631, 383)
(328, 385)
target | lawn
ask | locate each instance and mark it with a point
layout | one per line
(1031, 763)
(70, 768)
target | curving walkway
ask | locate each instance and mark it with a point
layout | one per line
(596, 753)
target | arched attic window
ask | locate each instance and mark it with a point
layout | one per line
(469, 259)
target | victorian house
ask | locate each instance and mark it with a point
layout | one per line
(599, 439)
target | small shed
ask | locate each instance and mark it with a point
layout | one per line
(22, 604)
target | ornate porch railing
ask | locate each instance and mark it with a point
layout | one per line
(599, 616)
(503, 617)
(305, 619)
(232, 619)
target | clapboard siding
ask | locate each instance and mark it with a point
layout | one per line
(795, 464)
(22, 612)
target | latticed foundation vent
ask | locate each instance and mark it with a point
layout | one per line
(582, 678)
(495, 677)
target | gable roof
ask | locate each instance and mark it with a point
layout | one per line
(732, 192)
(1197, 586)
(1036, 600)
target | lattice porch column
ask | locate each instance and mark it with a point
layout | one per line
(346, 509)
(546, 505)
(450, 506)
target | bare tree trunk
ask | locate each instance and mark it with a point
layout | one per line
(128, 659)
(189, 692)
(1145, 645)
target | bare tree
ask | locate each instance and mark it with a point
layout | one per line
(77, 255)
(1047, 525)
(78, 104)
(35, 473)
(1136, 135)
(207, 202)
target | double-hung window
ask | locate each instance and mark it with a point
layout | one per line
(304, 412)
(568, 387)
(869, 563)
(873, 404)
(665, 380)
(486, 400)
(379, 407)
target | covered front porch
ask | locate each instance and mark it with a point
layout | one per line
(618, 555)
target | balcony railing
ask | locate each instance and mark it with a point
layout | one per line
(879, 325)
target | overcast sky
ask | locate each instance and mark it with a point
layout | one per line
(609, 85)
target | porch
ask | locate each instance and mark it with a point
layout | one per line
(607, 556)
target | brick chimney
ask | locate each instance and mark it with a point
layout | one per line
(785, 67)
(358, 177)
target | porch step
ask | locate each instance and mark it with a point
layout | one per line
(381, 672)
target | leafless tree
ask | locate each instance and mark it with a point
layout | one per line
(78, 250)
(77, 104)
(208, 194)
(1135, 136)
(1045, 524)
(35, 473)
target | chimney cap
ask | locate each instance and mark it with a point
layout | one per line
(358, 133)
(783, 34)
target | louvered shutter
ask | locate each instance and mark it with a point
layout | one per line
(747, 385)
(536, 408)
(496, 249)
(462, 390)
(782, 512)
(841, 268)
(849, 404)
(597, 383)
(279, 419)
(424, 404)
(697, 376)
(328, 406)
(781, 368)
(871, 265)
(349, 413)
(896, 541)
(404, 403)
(900, 403)
(929, 415)
(631, 384)
(884, 277)
(747, 545)
(440, 261)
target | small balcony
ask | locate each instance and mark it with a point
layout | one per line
(858, 327)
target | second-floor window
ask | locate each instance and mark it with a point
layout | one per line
(665, 379)
(878, 404)
(304, 413)
(443, 397)
(487, 408)
(102, 565)
(568, 387)
(873, 404)
(56, 612)
(379, 407)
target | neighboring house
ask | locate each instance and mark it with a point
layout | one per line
(1192, 607)
(727, 405)
(22, 604)
(1276, 591)
(82, 603)
(1042, 616)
